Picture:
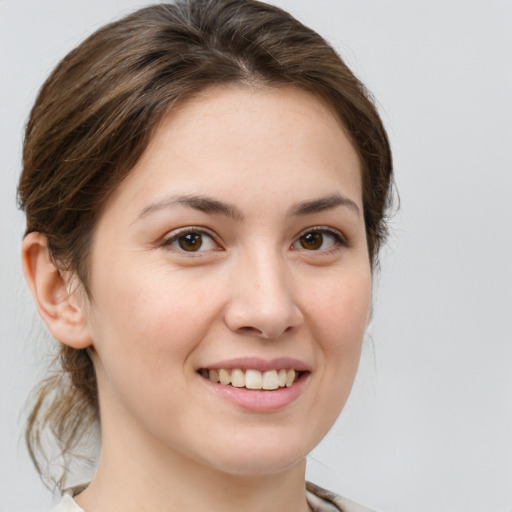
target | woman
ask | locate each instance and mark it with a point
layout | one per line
(205, 187)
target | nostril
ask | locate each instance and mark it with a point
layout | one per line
(267, 334)
(249, 330)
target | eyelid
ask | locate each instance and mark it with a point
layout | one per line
(173, 235)
(340, 239)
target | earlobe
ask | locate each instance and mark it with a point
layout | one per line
(59, 308)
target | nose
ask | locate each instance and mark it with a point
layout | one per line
(262, 299)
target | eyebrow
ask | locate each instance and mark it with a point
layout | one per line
(209, 205)
(323, 203)
(201, 203)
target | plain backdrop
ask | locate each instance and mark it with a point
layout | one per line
(428, 427)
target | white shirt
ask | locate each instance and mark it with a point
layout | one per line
(319, 500)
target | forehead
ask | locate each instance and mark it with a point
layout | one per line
(216, 112)
(243, 139)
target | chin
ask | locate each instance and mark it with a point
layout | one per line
(253, 467)
(260, 458)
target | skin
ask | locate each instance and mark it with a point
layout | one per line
(255, 287)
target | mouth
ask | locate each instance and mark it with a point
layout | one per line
(253, 379)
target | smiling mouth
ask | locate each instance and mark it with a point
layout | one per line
(252, 379)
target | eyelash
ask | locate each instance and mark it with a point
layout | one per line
(338, 239)
(189, 230)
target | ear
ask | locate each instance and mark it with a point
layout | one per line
(57, 305)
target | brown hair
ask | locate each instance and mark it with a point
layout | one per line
(95, 114)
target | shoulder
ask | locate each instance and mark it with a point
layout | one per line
(321, 500)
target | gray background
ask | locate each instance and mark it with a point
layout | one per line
(429, 424)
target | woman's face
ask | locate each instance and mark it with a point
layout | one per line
(236, 249)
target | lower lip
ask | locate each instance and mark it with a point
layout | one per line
(259, 400)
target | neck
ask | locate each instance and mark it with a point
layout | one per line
(135, 480)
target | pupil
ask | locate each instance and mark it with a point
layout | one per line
(312, 241)
(190, 242)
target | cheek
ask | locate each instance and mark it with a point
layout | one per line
(338, 312)
(154, 311)
(339, 309)
(145, 326)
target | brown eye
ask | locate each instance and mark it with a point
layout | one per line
(190, 242)
(311, 241)
(319, 239)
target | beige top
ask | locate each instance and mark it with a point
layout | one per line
(319, 500)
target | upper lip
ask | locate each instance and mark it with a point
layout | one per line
(257, 363)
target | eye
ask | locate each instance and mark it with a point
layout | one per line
(191, 240)
(318, 239)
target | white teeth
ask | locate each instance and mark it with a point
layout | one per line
(290, 377)
(251, 379)
(224, 377)
(237, 378)
(270, 380)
